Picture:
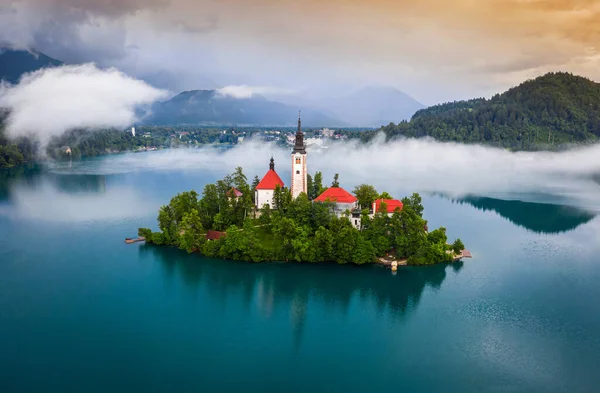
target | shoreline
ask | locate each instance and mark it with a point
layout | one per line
(388, 262)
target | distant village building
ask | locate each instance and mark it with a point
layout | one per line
(299, 173)
(327, 133)
(266, 188)
(313, 142)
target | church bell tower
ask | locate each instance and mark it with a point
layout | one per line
(299, 174)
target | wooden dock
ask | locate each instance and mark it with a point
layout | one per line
(129, 240)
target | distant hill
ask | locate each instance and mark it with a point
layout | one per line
(14, 63)
(553, 110)
(374, 106)
(208, 107)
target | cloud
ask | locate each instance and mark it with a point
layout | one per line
(244, 91)
(51, 101)
(401, 167)
(434, 50)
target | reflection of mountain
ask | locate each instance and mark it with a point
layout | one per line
(537, 217)
(294, 286)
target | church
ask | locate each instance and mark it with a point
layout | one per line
(266, 187)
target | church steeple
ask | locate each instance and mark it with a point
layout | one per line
(272, 164)
(299, 146)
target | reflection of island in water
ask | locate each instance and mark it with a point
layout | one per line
(537, 217)
(35, 176)
(272, 286)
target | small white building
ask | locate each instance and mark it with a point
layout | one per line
(326, 132)
(266, 188)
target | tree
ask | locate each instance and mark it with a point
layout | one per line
(437, 236)
(146, 233)
(335, 182)
(366, 195)
(253, 189)
(413, 202)
(458, 246)
(209, 206)
(364, 251)
(191, 236)
(323, 245)
(239, 179)
(282, 197)
(385, 195)
(317, 185)
(309, 187)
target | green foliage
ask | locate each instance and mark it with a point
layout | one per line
(545, 113)
(335, 182)
(366, 195)
(385, 195)
(191, 234)
(458, 246)
(317, 188)
(295, 230)
(145, 233)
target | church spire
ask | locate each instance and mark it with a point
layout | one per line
(299, 146)
(272, 164)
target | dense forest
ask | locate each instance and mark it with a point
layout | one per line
(548, 112)
(86, 143)
(295, 229)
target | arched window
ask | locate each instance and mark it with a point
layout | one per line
(298, 160)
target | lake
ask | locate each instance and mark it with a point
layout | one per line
(81, 311)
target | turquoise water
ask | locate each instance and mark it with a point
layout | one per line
(81, 311)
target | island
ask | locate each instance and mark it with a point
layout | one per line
(307, 222)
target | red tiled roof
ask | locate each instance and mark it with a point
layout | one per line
(392, 204)
(336, 194)
(235, 192)
(270, 181)
(214, 235)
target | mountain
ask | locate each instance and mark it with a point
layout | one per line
(367, 107)
(208, 107)
(177, 81)
(551, 111)
(374, 106)
(14, 63)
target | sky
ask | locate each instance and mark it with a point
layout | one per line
(435, 51)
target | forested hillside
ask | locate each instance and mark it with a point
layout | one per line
(553, 110)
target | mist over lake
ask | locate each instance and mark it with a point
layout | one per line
(80, 310)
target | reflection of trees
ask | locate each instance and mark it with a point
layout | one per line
(537, 217)
(79, 183)
(34, 176)
(275, 285)
(10, 176)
